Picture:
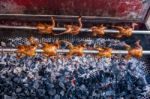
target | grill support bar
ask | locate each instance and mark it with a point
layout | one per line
(63, 29)
(67, 50)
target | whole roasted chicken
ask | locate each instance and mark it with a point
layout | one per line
(46, 28)
(50, 49)
(77, 50)
(27, 50)
(105, 52)
(98, 30)
(72, 29)
(136, 51)
(124, 31)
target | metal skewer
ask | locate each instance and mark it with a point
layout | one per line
(63, 29)
(67, 50)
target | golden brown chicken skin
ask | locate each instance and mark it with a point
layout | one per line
(125, 31)
(98, 31)
(26, 50)
(46, 28)
(50, 49)
(105, 52)
(72, 29)
(76, 50)
(136, 51)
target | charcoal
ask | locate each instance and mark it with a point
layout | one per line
(41, 92)
(62, 93)
(52, 92)
(3, 44)
(9, 97)
(62, 85)
(148, 78)
(57, 96)
(84, 77)
(36, 85)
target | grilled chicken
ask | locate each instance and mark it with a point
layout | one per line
(105, 52)
(72, 29)
(136, 51)
(50, 49)
(98, 30)
(27, 50)
(46, 28)
(124, 31)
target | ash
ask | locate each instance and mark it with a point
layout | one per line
(86, 77)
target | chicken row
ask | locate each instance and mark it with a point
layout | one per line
(124, 31)
(50, 49)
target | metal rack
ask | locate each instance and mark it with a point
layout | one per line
(67, 50)
(58, 16)
(91, 19)
(63, 29)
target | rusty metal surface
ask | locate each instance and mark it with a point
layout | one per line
(126, 9)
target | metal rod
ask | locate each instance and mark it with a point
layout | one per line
(96, 18)
(63, 29)
(67, 50)
(59, 16)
